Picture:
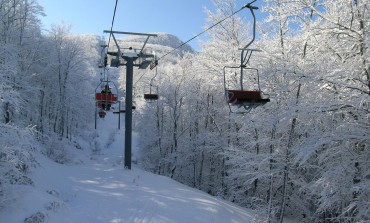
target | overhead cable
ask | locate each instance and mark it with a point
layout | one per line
(206, 30)
(111, 28)
(249, 5)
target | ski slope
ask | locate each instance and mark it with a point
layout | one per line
(97, 189)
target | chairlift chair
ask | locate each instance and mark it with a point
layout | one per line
(248, 99)
(106, 97)
(152, 96)
(101, 113)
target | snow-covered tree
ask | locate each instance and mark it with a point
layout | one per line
(63, 81)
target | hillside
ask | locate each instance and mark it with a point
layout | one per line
(160, 45)
(96, 188)
(162, 39)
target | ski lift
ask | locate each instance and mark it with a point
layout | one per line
(102, 113)
(248, 99)
(152, 95)
(107, 96)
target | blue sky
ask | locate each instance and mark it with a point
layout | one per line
(182, 18)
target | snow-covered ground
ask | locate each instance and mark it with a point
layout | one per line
(99, 189)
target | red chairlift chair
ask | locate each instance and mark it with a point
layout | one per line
(101, 113)
(241, 97)
(105, 98)
(248, 99)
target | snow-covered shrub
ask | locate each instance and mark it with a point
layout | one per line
(16, 145)
(56, 149)
(36, 218)
(95, 144)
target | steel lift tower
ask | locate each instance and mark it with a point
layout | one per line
(130, 57)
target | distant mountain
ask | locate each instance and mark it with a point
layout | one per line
(161, 44)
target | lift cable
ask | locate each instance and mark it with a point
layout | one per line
(111, 28)
(248, 5)
(141, 77)
(206, 30)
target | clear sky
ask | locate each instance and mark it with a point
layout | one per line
(182, 18)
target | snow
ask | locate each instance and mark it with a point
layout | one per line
(98, 189)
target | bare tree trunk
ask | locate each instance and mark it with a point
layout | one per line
(365, 65)
(270, 191)
(201, 170)
(255, 183)
(287, 161)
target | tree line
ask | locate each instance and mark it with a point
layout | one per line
(306, 153)
(46, 89)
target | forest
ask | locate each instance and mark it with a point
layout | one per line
(305, 154)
